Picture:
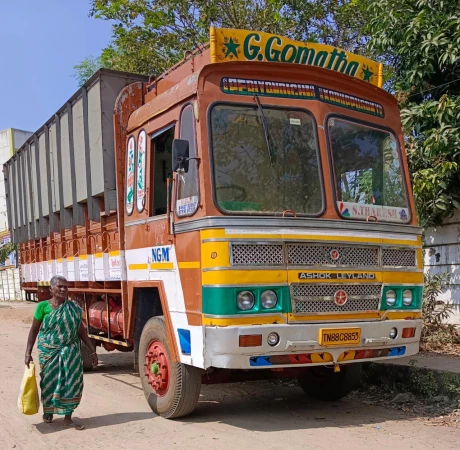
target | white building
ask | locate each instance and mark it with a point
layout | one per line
(10, 141)
(442, 255)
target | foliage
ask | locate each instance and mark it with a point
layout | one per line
(87, 68)
(6, 251)
(151, 35)
(435, 312)
(420, 40)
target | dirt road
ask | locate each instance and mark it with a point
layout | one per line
(248, 415)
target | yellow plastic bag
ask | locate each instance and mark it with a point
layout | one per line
(29, 400)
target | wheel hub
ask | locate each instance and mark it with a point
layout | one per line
(157, 368)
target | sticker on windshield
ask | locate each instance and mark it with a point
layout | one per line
(351, 102)
(241, 86)
(382, 213)
(294, 121)
(263, 88)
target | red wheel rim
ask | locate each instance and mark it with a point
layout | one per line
(157, 368)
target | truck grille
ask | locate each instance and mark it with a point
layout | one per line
(317, 255)
(257, 254)
(319, 298)
(392, 257)
(300, 254)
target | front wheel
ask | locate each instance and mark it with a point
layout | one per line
(323, 383)
(171, 388)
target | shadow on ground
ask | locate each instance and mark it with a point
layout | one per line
(94, 422)
(268, 406)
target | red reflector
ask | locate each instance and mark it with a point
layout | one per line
(251, 340)
(408, 332)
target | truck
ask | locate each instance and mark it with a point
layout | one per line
(246, 215)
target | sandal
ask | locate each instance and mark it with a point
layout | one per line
(74, 426)
(47, 418)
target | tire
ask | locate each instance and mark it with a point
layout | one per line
(86, 357)
(323, 383)
(181, 395)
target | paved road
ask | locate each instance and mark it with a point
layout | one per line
(248, 415)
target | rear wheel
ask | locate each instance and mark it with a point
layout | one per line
(171, 389)
(323, 383)
(86, 357)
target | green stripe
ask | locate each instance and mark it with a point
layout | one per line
(222, 300)
(417, 294)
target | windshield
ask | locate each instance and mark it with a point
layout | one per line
(265, 160)
(368, 172)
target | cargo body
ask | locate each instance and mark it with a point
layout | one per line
(250, 216)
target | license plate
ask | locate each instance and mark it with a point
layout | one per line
(340, 336)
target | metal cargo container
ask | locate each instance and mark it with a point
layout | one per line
(67, 163)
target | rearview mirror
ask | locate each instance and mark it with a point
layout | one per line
(180, 154)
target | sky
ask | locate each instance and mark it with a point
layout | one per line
(40, 42)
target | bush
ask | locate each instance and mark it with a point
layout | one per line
(435, 312)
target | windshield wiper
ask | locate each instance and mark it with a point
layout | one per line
(265, 127)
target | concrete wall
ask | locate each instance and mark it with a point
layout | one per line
(10, 141)
(442, 255)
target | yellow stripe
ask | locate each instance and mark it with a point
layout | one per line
(215, 254)
(293, 276)
(244, 276)
(59, 260)
(403, 277)
(338, 317)
(161, 266)
(138, 266)
(355, 316)
(244, 320)
(239, 277)
(115, 253)
(270, 319)
(83, 257)
(98, 255)
(189, 265)
(70, 258)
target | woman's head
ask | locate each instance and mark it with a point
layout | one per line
(59, 287)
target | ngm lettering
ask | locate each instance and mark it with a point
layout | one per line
(160, 254)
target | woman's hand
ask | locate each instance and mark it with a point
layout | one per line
(94, 359)
(28, 359)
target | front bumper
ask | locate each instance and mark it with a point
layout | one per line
(299, 345)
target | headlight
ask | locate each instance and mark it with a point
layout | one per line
(391, 298)
(245, 300)
(393, 333)
(407, 297)
(268, 299)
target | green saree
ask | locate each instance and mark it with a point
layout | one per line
(61, 367)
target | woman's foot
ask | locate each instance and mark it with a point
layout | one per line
(47, 418)
(69, 423)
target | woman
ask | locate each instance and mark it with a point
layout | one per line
(58, 324)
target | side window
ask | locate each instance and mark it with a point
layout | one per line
(130, 156)
(161, 149)
(141, 165)
(187, 186)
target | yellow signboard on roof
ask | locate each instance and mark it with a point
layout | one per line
(243, 45)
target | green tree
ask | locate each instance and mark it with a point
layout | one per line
(88, 67)
(420, 41)
(151, 35)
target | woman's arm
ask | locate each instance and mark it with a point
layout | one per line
(83, 335)
(34, 329)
